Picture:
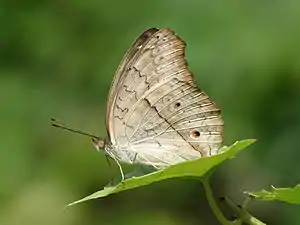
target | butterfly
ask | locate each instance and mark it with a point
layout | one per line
(156, 115)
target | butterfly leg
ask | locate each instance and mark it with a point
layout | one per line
(112, 181)
(134, 158)
(119, 165)
(121, 170)
(146, 168)
(140, 169)
(137, 172)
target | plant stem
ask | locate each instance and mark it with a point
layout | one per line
(212, 203)
(243, 214)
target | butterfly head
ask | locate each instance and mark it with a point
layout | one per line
(99, 143)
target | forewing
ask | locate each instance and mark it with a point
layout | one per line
(129, 58)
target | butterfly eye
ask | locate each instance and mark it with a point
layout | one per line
(195, 134)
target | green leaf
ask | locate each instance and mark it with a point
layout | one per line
(289, 195)
(195, 168)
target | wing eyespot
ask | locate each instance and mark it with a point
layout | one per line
(161, 58)
(195, 134)
(177, 104)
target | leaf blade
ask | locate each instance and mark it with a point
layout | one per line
(195, 168)
(288, 195)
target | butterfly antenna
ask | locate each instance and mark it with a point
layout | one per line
(54, 123)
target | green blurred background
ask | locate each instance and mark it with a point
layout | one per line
(58, 59)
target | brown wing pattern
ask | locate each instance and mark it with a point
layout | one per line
(156, 113)
(131, 55)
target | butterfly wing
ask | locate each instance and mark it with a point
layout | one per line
(129, 58)
(156, 114)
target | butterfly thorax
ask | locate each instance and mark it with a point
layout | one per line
(105, 146)
(119, 153)
(99, 144)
